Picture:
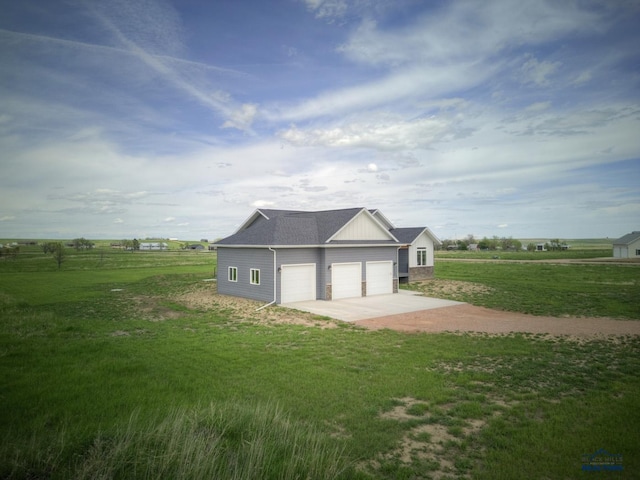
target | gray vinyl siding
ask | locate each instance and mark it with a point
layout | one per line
(244, 259)
(364, 255)
(293, 256)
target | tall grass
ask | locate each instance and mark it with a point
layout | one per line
(228, 441)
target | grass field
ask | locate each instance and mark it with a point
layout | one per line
(105, 373)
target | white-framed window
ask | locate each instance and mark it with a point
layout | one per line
(422, 256)
(255, 276)
(233, 274)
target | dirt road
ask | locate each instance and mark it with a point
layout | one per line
(469, 318)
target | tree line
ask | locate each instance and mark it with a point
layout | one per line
(499, 243)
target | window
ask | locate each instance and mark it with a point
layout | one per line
(255, 276)
(637, 253)
(233, 274)
(422, 256)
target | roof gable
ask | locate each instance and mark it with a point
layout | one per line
(363, 226)
(409, 235)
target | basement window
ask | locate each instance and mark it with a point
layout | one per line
(233, 274)
(255, 276)
(422, 256)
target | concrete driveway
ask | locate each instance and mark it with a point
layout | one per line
(361, 308)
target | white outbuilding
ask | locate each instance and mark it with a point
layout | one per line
(627, 246)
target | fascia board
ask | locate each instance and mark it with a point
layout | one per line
(250, 220)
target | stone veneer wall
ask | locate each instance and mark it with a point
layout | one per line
(327, 292)
(420, 273)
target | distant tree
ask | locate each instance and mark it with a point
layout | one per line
(59, 254)
(10, 252)
(82, 243)
(49, 247)
(135, 244)
(531, 247)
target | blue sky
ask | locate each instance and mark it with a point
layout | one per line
(157, 118)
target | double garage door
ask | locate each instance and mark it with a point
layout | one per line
(299, 280)
(346, 279)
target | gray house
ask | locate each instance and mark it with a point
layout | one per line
(284, 256)
(627, 246)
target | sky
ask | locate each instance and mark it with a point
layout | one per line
(177, 119)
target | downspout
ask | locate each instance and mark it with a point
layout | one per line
(275, 278)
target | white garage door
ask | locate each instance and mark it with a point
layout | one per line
(346, 280)
(379, 278)
(298, 283)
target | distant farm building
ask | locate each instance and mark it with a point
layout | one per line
(154, 246)
(627, 246)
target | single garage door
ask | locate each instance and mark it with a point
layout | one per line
(346, 280)
(298, 283)
(379, 278)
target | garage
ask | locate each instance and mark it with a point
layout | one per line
(379, 278)
(346, 280)
(298, 282)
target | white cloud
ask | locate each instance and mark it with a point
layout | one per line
(118, 220)
(538, 106)
(241, 118)
(377, 133)
(584, 77)
(538, 73)
(7, 218)
(372, 167)
(262, 203)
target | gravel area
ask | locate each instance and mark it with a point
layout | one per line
(469, 318)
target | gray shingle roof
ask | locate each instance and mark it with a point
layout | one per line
(292, 227)
(406, 234)
(627, 239)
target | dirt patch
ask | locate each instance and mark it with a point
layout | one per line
(432, 444)
(469, 318)
(452, 289)
(204, 297)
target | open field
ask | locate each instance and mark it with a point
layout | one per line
(109, 368)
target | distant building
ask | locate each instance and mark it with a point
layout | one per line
(627, 246)
(154, 246)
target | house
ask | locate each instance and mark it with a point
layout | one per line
(284, 256)
(627, 246)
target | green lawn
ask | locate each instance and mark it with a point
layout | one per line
(98, 381)
(544, 289)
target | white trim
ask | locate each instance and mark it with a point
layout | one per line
(250, 220)
(229, 274)
(333, 245)
(251, 276)
(384, 218)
